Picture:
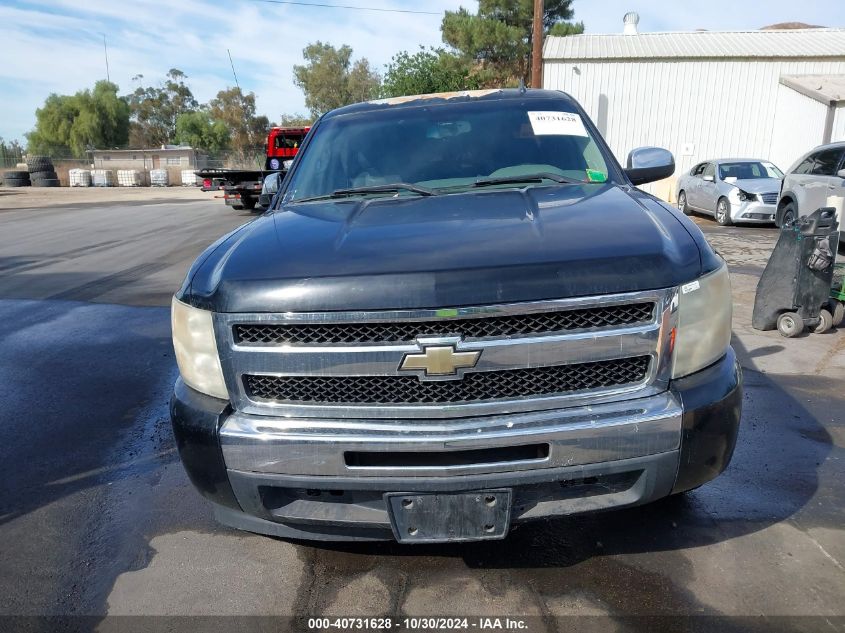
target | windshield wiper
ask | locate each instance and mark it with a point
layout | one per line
(393, 187)
(387, 188)
(526, 178)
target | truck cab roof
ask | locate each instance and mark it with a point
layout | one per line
(410, 101)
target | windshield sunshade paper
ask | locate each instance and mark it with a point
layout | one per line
(547, 123)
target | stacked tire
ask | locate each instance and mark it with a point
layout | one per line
(41, 171)
(16, 179)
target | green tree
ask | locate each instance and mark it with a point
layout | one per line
(199, 130)
(155, 109)
(74, 123)
(330, 79)
(426, 71)
(498, 37)
(563, 29)
(295, 120)
(236, 111)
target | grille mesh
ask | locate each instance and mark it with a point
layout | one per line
(395, 331)
(769, 198)
(488, 385)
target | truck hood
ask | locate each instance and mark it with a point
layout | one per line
(474, 248)
(758, 185)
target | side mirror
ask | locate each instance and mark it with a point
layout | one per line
(841, 173)
(709, 178)
(647, 164)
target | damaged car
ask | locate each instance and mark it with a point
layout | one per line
(731, 190)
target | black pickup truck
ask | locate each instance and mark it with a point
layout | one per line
(461, 315)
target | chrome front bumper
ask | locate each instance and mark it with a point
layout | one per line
(574, 436)
(297, 478)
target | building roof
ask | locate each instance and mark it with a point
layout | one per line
(693, 44)
(823, 88)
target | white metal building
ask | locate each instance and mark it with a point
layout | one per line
(705, 94)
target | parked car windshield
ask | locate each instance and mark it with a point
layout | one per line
(448, 147)
(748, 170)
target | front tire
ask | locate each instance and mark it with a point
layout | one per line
(723, 212)
(790, 324)
(683, 207)
(788, 215)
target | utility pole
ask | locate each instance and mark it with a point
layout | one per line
(537, 46)
(106, 54)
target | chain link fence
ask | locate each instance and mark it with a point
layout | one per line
(252, 158)
(10, 156)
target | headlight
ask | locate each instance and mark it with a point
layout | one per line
(196, 349)
(703, 334)
(738, 195)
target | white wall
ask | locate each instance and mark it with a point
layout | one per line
(838, 125)
(696, 108)
(799, 123)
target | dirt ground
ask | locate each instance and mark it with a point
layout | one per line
(46, 197)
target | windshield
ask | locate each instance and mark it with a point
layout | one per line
(445, 148)
(748, 170)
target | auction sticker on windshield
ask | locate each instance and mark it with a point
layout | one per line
(559, 123)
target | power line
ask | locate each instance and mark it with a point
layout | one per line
(347, 6)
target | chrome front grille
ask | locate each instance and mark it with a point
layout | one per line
(488, 385)
(769, 198)
(395, 332)
(522, 357)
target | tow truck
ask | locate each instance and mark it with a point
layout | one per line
(242, 187)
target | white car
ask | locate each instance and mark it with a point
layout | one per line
(816, 180)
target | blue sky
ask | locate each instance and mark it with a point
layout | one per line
(56, 45)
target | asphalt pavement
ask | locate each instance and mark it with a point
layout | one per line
(97, 517)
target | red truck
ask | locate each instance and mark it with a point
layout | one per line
(242, 187)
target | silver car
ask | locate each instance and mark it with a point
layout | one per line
(817, 179)
(731, 190)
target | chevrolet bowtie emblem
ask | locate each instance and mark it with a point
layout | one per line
(440, 360)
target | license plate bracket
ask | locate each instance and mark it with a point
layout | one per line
(477, 515)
